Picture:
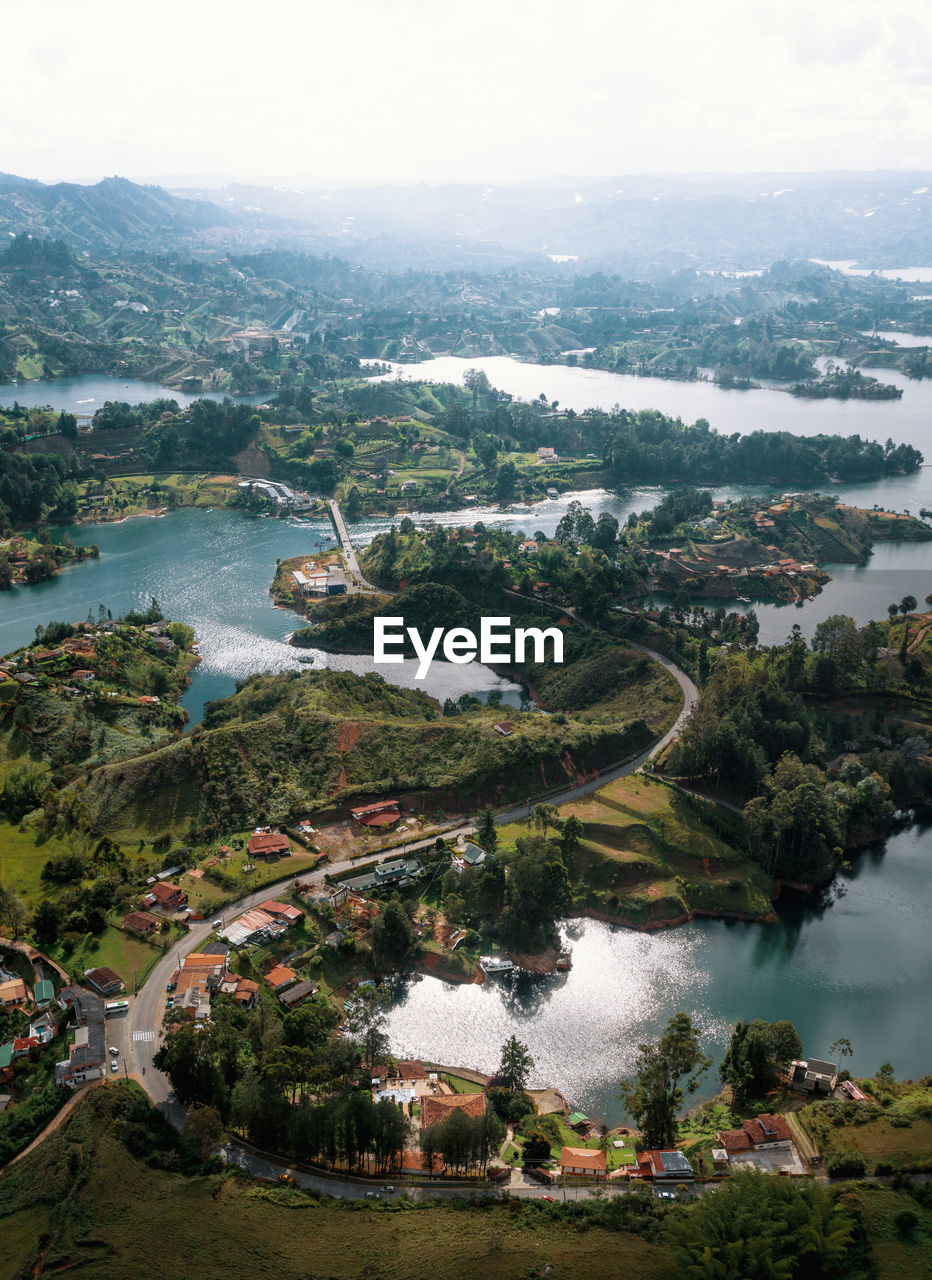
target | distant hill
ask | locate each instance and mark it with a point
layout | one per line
(637, 226)
(112, 216)
(627, 224)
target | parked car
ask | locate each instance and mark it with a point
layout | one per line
(114, 1065)
(665, 1195)
(287, 1179)
(372, 1195)
(389, 1189)
(114, 1050)
(550, 1198)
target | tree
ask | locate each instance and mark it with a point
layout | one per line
(665, 1073)
(486, 834)
(757, 1054)
(546, 815)
(764, 1228)
(12, 912)
(516, 1064)
(391, 931)
(202, 1131)
(573, 832)
(364, 1016)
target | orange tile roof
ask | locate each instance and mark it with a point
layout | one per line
(434, 1110)
(280, 976)
(582, 1158)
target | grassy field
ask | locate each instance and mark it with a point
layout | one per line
(897, 1133)
(650, 853)
(125, 953)
(109, 1215)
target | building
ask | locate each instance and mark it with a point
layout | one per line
(385, 874)
(167, 896)
(409, 486)
(435, 1108)
(44, 993)
(412, 1069)
(104, 980)
(281, 911)
(87, 1053)
(545, 454)
(813, 1076)
(505, 728)
(246, 993)
(139, 922)
(280, 977)
(12, 993)
(269, 845)
(581, 1162)
(383, 813)
(296, 995)
(471, 855)
(252, 925)
(764, 1143)
(671, 1166)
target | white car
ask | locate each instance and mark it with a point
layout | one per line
(114, 1065)
(114, 1051)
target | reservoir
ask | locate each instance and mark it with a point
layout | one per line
(853, 963)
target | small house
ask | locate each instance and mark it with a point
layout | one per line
(298, 994)
(581, 1162)
(269, 845)
(280, 977)
(813, 1076)
(140, 922)
(104, 980)
(44, 993)
(168, 896)
(670, 1166)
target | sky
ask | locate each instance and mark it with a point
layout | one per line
(367, 91)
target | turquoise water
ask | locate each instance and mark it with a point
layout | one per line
(856, 962)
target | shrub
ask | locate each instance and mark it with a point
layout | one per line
(846, 1164)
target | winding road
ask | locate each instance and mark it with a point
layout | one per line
(141, 1032)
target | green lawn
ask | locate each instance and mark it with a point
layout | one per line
(123, 952)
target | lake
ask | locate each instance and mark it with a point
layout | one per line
(86, 394)
(853, 963)
(906, 421)
(211, 570)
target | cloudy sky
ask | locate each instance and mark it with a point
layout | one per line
(376, 90)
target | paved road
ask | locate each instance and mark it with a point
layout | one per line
(140, 1031)
(349, 554)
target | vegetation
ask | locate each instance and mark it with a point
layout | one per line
(666, 1072)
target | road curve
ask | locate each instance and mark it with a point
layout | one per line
(144, 1020)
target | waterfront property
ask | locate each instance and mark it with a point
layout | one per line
(813, 1076)
(580, 1162)
(662, 1166)
(764, 1143)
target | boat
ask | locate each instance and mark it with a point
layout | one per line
(495, 964)
(553, 493)
(564, 960)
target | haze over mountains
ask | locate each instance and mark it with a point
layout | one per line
(631, 225)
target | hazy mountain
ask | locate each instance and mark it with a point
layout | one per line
(635, 226)
(112, 216)
(630, 224)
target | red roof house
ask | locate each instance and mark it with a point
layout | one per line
(269, 846)
(281, 911)
(582, 1162)
(434, 1110)
(280, 977)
